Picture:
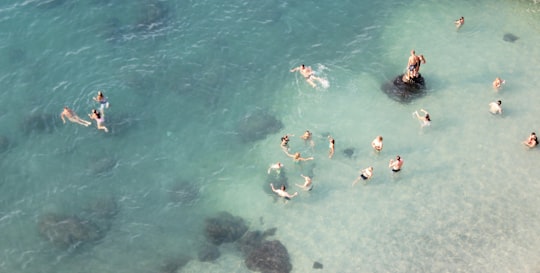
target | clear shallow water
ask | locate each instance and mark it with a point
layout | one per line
(181, 76)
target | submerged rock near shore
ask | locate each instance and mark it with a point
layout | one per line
(66, 231)
(224, 228)
(269, 257)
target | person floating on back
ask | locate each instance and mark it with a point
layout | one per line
(72, 116)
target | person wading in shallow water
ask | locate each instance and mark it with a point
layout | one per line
(396, 164)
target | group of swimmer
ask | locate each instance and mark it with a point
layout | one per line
(96, 115)
(413, 64)
(413, 67)
(365, 174)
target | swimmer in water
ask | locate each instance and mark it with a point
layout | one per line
(497, 83)
(331, 146)
(532, 141)
(297, 157)
(275, 167)
(459, 22)
(308, 74)
(307, 183)
(285, 142)
(377, 144)
(73, 117)
(365, 175)
(104, 103)
(100, 120)
(425, 120)
(282, 192)
(307, 137)
(495, 107)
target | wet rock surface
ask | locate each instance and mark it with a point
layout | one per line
(405, 92)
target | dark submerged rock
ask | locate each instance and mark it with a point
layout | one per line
(103, 208)
(257, 125)
(404, 92)
(102, 212)
(348, 152)
(184, 192)
(16, 55)
(172, 265)
(253, 239)
(68, 231)
(39, 123)
(224, 228)
(153, 15)
(113, 30)
(5, 144)
(269, 257)
(208, 253)
(317, 265)
(103, 166)
(509, 37)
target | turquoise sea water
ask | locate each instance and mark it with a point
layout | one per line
(183, 76)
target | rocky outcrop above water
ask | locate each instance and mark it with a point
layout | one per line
(405, 92)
